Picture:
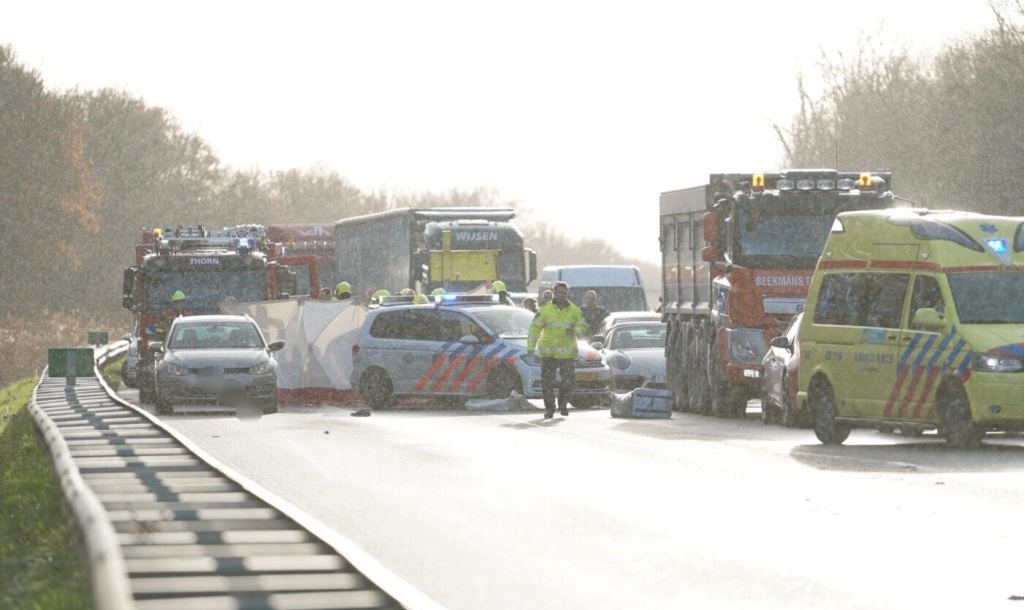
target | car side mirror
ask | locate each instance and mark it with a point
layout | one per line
(156, 347)
(782, 342)
(275, 345)
(598, 346)
(469, 340)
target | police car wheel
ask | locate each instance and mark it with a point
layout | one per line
(956, 419)
(502, 382)
(376, 388)
(823, 409)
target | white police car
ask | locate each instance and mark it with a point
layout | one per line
(456, 348)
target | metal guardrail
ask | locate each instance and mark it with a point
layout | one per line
(165, 526)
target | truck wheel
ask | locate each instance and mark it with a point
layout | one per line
(823, 413)
(675, 367)
(956, 418)
(726, 401)
(376, 388)
(503, 381)
(163, 406)
(697, 377)
(145, 378)
(147, 392)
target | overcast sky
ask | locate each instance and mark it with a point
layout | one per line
(581, 111)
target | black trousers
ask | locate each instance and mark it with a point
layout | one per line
(567, 380)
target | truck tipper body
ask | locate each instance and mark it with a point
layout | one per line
(459, 249)
(737, 259)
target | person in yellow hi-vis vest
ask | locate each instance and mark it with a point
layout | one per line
(553, 334)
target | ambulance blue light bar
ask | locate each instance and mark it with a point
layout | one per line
(998, 246)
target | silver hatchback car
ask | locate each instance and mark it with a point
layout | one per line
(216, 359)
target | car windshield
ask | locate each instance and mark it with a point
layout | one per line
(638, 336)
(993, 297)
(506, 322)
(232, 335)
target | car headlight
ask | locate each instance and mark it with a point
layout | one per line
(995, 363)
(263, 368)
(174, 370)
(619, 360)
(747, 345)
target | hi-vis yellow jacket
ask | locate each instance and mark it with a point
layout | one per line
(548, 331)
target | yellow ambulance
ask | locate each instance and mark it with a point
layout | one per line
(914, 321)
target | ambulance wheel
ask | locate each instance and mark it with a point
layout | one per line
(823, 414)
(376, 388)
(956, 418)
(502, 382)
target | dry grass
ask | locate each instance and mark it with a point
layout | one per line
(25, 339)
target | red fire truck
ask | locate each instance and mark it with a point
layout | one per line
(209, 266)
(309, 250)
(737, 259)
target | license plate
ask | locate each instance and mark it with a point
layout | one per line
(660, 379)
(587, 376)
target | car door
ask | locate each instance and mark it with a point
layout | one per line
(873, 370)
(404, 346)
(924, 352)
(460, 365)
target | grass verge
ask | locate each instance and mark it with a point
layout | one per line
(39, 560)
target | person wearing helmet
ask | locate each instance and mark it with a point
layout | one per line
(421, 299)
(178, 302)
(343, 291)
(437, 292)
(378, 297)
(503, 295)
(407, 292)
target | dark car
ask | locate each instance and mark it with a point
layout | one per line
(779, 379)
(216, 359)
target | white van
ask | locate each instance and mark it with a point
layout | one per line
(619, 287)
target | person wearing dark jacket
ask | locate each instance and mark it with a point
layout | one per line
(593, 312)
